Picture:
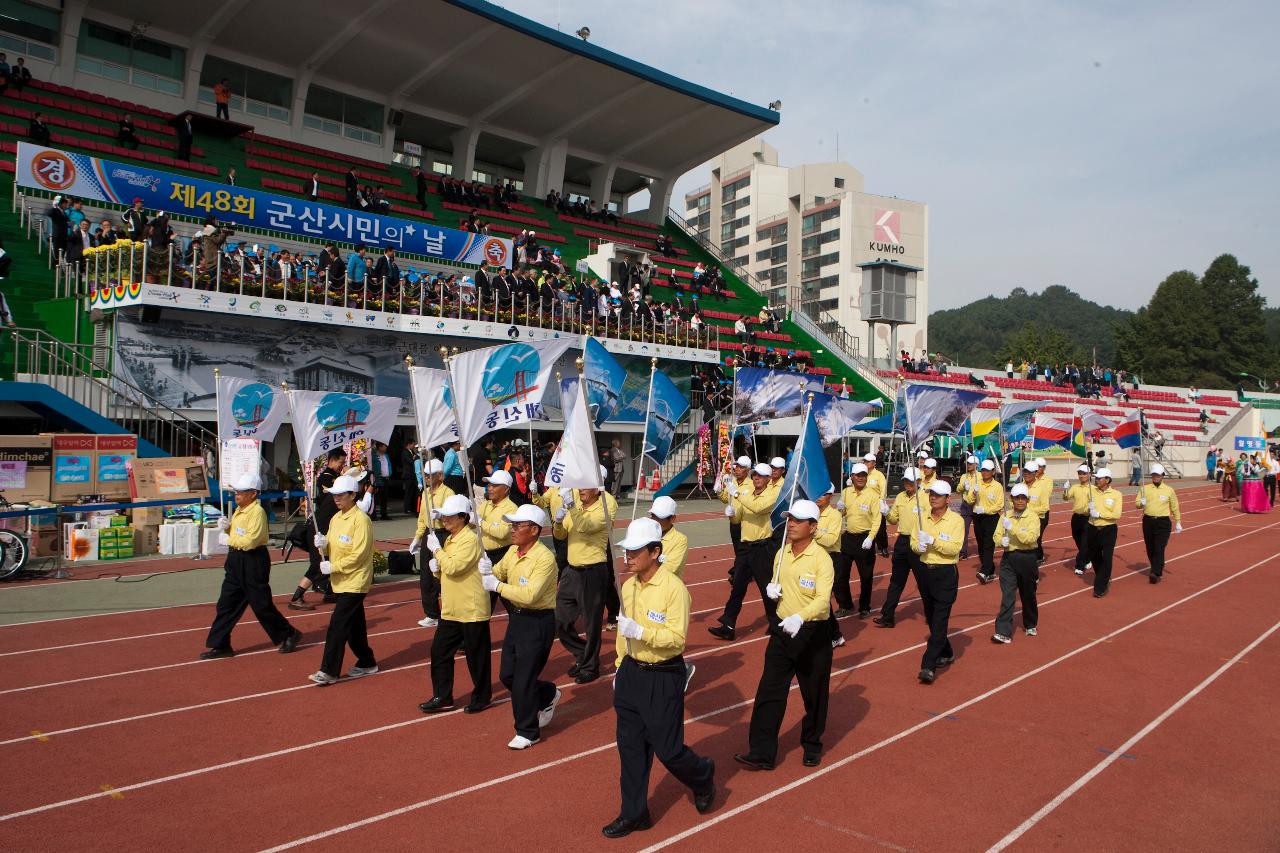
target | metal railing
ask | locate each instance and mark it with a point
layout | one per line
(826, 330)
(78, 373)
(713, 250)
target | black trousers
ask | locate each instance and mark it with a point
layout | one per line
(347, 627)
(755, 562)
(1080, 535)
(319, 581)
(882, 535)
(1044, 522)
(650, 708)
(805, 657)
(246, 583)
(1155, 534)
(561, 549)
(938, 586)
(1018, 573)
(1269, 483)
(525, 650)
(903, 562)
(410, 496)
(611, 603)
(582, 593)
(429, 584)
(473, 639)
(984, 530)
(221, 111)
(966, 512)
(1102, 543)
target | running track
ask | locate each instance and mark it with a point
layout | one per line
(1142, 721)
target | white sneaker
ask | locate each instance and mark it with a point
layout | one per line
(544, 716)
(361, 671)
(1088, 565)
(1030, 632)
(521, 742)
(837, 642)
(1080, 572)
(323, 678)
(689, 670)
(428, 622)
(1000, 638)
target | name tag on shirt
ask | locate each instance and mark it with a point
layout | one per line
(524, 581)
(1164, 498)
(865, 507)
(239, 531)
(344, 539)
(808, 583)
(944, 537)
(655, 616)
(1111, 502)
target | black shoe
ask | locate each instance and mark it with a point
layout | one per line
(1154, 579)
(291, 642)
(585, 678)
(574, 670)
(1098, 593)
(621, 827)
(753, 762)
(945, 660)
(812, 759)
(722, 632)
(985, 579)
(964, 555)
(882, 622)
(476, 707)
(299, 604)
(863, 614)
(843, 612)
(927, 676)
(883, 552)
(436, 705)
(703, 800)
(214, 654)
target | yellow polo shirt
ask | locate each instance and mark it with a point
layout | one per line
(248, 528)
(988, 496)
(830, 526)
(528, 580)
(948, 536)
(861, 509)
(549, 500)
(754, 511)
(675, 552)
(462, 594)
(1078, 494)
(661, 606)
(587, 529)
(1109, 504)
(806, 580)
(1041, 495)
(902, 512)
(877, 481)
(1162, 501)
(351, 551)
(494, 532)
(432, 499)
(1024, 534)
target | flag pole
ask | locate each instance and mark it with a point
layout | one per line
(453, 400)
(426, 476)
(217, 403)
(293, 423)
(805, 411)
(635, 500)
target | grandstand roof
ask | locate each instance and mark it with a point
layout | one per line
(450, 64)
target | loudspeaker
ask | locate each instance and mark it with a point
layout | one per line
(395, 118)
(151, 313)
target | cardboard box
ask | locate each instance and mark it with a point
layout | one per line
(148, 516)
(107, 550)
(74, 467)
(99, 520)
(46, 543)
(79, 542)
(25, 466)
(115, 453)
(175, 478)
(182, 538)
(146, 539)
(119, 521)
(109, 534)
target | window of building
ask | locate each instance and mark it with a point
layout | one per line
(119, 55)
(839, 183)
(772, 255)
(253, 91)
(29, 30)
(730, 190)
(813, 221)
(343, 115)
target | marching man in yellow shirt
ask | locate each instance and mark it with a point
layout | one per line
(799, 644)
(1040, 490)
(861, 506)
(986, 497)
(433, 498)
(495, 533)
(348, 546)
(937, 541)
(1104, 511)
(1079, 493)
(754, 507)
(903, 514)
(1017, 533)
(1160, 517)
(247, 578)
(648, 688)
(675, 551)
(585, 515)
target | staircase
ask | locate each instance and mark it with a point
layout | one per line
(73, 385)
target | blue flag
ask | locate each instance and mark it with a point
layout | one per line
(807, 475)
(937, 409)
(763, 395)
(667, 407)
(604, 377)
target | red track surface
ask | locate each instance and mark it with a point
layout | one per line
(137, 747)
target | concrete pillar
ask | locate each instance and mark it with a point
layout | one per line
(69, 42)
(301, 86)
(544, 167)
(195, 64)
(660, 190)
(602, 183)
(464, 151)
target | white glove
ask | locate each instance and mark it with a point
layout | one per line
(925, 538)
(1008, 524)
(223, 538)
(560, 514)
(224, 524)
(728, 512)
(1066, 485)
(719, 484)
(1093, 513)
(1142, 501)
(978, 510)
(922, 546)
(326, 567)
(1091, 507)
(490, 582)
(433, 543)
(415, 546)
(533, 487)
(486, 565)
(1177, 528)
(868, 542)
(774, 591)
(732, 489)
(840, 505)
(849, 481)
(884, 507)
(321, 541)
(792, 624)
(434, 565)
(630, 628)
(1004, 541)
(566, 498)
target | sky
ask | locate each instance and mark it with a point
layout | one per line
(1100, 146)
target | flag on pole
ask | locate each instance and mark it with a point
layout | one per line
(1048, 432)
(667, 407)
(1015, 419)
(323, 420)
(604, 377)
(1128, 433)
(575, 464)
(433, 406)
(807, 476)
(500, 387)
(836, 416)
(983, 422)
(935, 408)
(1079, 447)
(763, 395)
(249, 409)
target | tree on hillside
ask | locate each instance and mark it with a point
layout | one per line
(1036, 342)
(1233, 300)
(1169, 341)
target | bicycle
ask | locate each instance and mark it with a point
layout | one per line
(15, 548)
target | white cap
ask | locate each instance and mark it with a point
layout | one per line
(453, 505)
(1083, 469)
(804, 510)
(434, 466)
(931, 462)
(988, 465)
(663, 507)
(762, 469)
(246, 483)
(1019, 491)
(342, 485)
(744, 461)
(922, 454)
(859, 468)
(911, 474)
(1104, 472)
(777, 462)
(1036, 464)
(940, 487)
(1157, 469)
(972, 460)
(499, 478)
(526, 512)
(641, 532)
(868, 457)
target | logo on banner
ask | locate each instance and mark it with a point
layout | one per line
(251, 404)
(342, 412)
(508, 372)
(53, 170)
(495, 252)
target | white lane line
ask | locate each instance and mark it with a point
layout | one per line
(1102, 765)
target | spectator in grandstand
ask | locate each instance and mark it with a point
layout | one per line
(135, 221)
(313, 187)
(1157, 444)
(6, 316)
(353, 187)
(4, 73)
(387, 272)
(19, 75)
(357, 267)
(222, 99)
(59, 225)
(37, 130)
(127, 136)
(186, 136)
(231, 175)
(1135, 467)
(82, 240)
(106, 233)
